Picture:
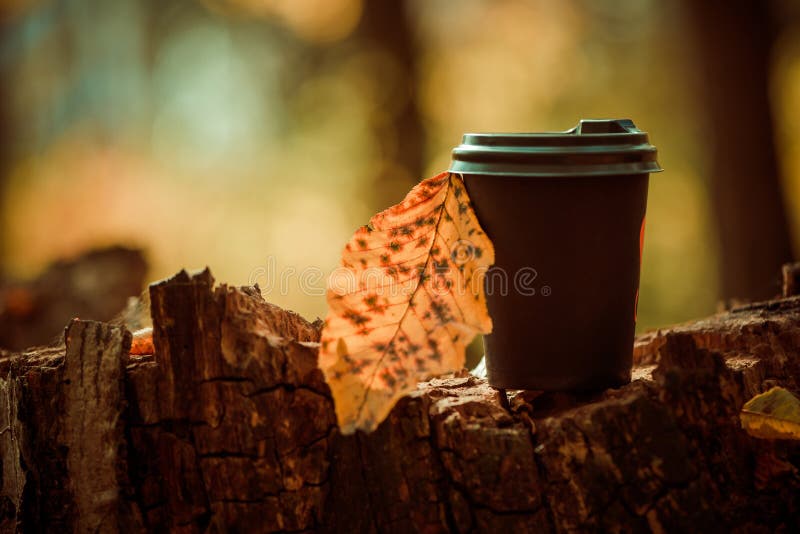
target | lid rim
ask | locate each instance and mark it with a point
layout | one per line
(467, 150)
(558, 174)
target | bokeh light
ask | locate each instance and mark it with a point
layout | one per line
(238, 133)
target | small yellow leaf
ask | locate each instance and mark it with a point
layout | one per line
(406, 301)
(772, 415)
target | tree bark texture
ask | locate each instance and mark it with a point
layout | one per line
(230, 427)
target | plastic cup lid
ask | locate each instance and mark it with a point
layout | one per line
(609, 147)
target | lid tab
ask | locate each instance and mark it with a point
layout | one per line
(596, 126)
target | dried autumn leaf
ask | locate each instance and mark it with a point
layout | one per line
(774, 414)
(406, 301)
(142, 342)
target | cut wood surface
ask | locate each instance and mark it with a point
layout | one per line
(230, 427)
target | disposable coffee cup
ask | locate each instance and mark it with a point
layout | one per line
(566, 214)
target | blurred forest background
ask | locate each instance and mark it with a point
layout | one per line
(229, 132)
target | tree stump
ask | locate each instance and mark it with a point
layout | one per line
(94, 285)
(230, 427)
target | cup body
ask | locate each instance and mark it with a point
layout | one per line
(563, 291)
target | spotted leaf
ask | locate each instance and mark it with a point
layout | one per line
(406, 301)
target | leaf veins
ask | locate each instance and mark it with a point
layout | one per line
(389, 331)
